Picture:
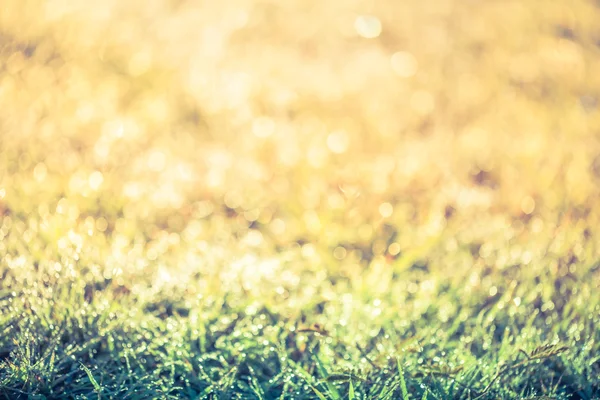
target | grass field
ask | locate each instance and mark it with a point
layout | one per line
(300, 199)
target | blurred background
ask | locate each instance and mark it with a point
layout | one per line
(351, 133)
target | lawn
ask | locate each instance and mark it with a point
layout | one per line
(300, 199)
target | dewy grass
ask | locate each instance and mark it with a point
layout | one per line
(309, 200)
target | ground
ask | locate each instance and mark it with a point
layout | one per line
(299, 200)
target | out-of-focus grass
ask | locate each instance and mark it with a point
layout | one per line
(261, 199)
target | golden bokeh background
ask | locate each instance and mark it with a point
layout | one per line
(242, 142)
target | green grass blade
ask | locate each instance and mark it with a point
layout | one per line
(97, 387)
(320, 395)
(333, 392)
(402, 381)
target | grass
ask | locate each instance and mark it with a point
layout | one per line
(299, 200)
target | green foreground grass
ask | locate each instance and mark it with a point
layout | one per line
(309, 200)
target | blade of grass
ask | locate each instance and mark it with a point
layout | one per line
(402, 381)
(97, 387)
(333, 392)
(319, 394)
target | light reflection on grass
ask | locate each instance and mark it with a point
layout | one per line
(265, 200)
